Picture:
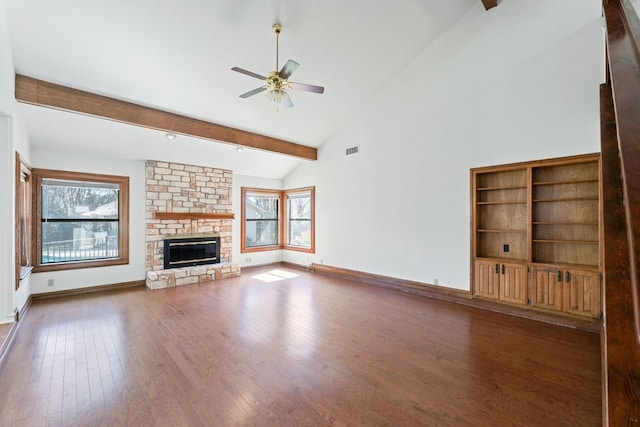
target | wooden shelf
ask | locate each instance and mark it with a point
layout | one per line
(584, 242)
(532, 222)
(193, 215)
(579, 181)
(513, 202)
(510, 187)
(501, 231)
(567, 199)
(562, 223)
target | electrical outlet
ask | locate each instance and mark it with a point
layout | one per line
(51, 282)
(436, 281)
(248, 259)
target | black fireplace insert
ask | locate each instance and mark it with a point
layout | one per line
(189, 251)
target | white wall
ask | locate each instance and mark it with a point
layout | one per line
(252, 258)
(516, 83)
(135, 270)
(13, 137)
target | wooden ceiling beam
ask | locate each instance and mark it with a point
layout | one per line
(51, 95)
(488, 4)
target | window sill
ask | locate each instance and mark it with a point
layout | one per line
(25, 272)
(299, 249)
(79, 264)
(278, 248)
(260, 249)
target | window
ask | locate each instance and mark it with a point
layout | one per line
(260, 219)
(300, 224)
(83, 220)
(274, 219)
(24, 264)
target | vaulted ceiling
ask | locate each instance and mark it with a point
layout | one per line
(176, 57)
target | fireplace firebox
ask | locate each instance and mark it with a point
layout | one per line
(189, 250)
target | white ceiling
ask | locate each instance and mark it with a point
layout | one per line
(176, 56)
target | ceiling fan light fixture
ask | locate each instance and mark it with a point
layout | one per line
(275, 95)
(277, 82)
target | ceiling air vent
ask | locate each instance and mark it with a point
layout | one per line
(352, 150)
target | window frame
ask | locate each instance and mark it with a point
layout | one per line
(123, 219)
(283, 219)
(243, 224)
(24, 211)
(287, 219)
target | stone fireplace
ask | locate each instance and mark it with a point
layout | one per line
(194, 202)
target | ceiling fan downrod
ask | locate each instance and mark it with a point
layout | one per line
(277, 28)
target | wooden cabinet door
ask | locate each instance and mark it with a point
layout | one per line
(487, 279)
(546, 288)
(513, 283)
(582, 293)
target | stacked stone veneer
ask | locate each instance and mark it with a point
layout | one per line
(179, 188)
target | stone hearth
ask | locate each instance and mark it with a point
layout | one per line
(187, 200)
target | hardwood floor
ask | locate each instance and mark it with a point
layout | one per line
(304, 350)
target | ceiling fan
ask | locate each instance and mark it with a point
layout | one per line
(277, 82)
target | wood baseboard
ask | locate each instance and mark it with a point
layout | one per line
(455, 296)
(88, 290)
(418, 288)
(296, 266)
(278, 263)
(6, 339)
(4, 345)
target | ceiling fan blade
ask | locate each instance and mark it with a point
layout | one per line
(288, 69)
(253, 92)
(306, 87)
(286, 100)
(248, 73)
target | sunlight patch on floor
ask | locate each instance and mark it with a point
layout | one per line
(274, 276)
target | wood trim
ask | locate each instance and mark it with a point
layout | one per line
(620, 356)
(123, 227)
(4, 345)
(285, 220)
(51, 95)
(623, 38)
(424, 289)
(192, 215)
(21, 166)
(620, 353)
(580, 158)
(89, 290)
(282, 220)
(287, 264)
(488, 4)
(620, 127)
(294, 265)
(455, 296)
(243, 220)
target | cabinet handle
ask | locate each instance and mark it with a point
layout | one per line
(502, 268)
(566, 276)
(497, 268)
(559, 276)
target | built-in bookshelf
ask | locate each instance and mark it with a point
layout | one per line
(536, 234)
